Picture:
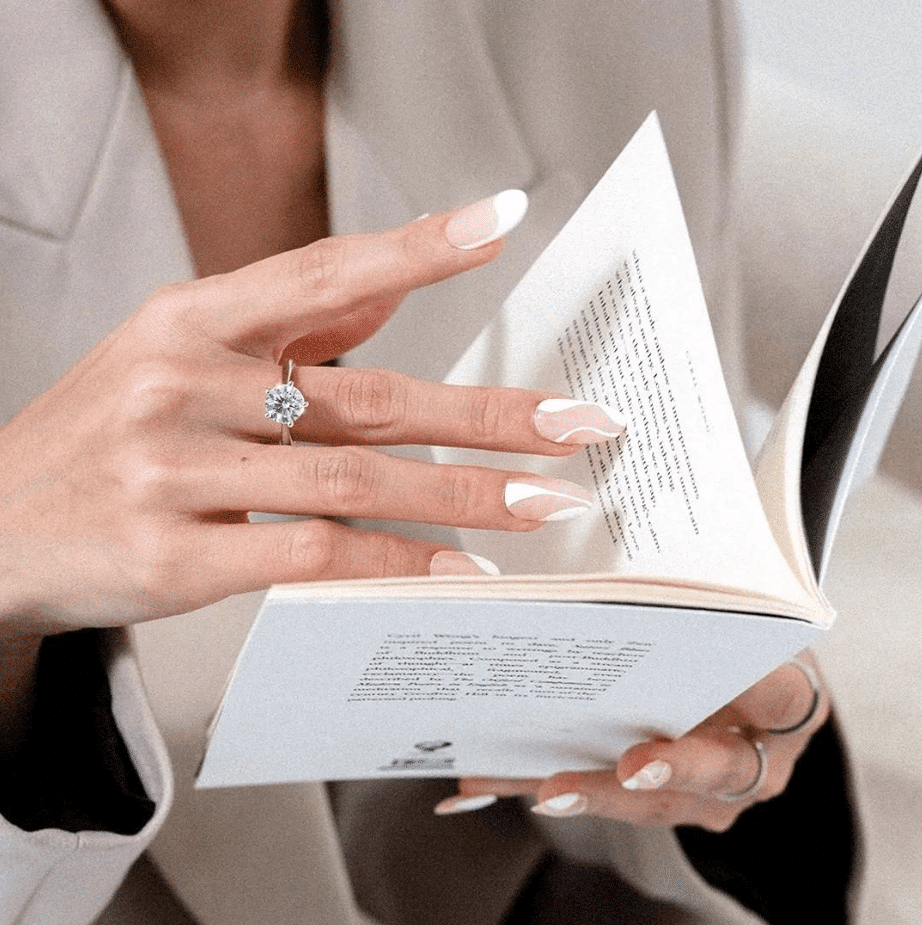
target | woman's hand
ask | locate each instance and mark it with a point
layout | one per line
(706, 778)
(126, 486)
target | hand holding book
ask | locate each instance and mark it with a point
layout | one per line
(685, 781)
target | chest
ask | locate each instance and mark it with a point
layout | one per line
(247, 171)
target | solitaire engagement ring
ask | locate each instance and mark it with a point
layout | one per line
(285, 403)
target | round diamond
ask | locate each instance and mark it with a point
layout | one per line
(284, 404)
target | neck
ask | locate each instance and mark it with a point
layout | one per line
(180, 44)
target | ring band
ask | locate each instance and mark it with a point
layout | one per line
(285, 403)
(809, 672)
(761, 774)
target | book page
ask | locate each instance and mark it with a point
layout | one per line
(852, 448)
(836, 416)
(648, 480)
(613, 311)
(600, 587)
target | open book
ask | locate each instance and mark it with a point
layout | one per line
(690, 581)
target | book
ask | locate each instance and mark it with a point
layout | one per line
(693, 578)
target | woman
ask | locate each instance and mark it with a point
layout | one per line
(423, 108)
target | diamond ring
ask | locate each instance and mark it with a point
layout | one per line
(285, 403)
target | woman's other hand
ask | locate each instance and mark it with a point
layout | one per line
(706, 778)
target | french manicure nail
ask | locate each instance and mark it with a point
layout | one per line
(567, 804)
(568, 420)
(485, 221)
(651, 776)
(546, 499)
(453, 562)
(462, 804)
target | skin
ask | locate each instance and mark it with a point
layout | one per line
(239, 118)
(708, 761)
(137, 508)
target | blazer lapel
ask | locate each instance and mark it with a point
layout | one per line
(87, 217)
(423, 127)
(410, 102)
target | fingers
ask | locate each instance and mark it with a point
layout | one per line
(361, 483)
(782, 711)
(730, 761)
(367, 406)
(380, 407)
(658, 783)
(206, 562)
(705, 778)
(790, 697)
(479, 792)
(337, 291)
(670, 783)
(253, 556)
(187, 456)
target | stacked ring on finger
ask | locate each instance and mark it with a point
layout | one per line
(812, 677)
(761, 773)
(285, 403)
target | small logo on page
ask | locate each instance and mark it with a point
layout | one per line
(424, 757)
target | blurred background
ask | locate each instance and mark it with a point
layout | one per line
(832, 120)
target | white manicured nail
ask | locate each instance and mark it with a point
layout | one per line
(485, 221)
(651, 776)
(568, 420)
(567, 804)
(453, 562)
(546, 499)
(462, 804)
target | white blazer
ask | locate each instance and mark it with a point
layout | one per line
(429, 106)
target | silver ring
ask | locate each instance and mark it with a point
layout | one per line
(812, 677)
(285, 403)
(761, 774)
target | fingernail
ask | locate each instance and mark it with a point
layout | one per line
(546, 499)
(567, 804)
(567, 420)
(485, 221)
(452, 562)
(462, 804)
(651, 776)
